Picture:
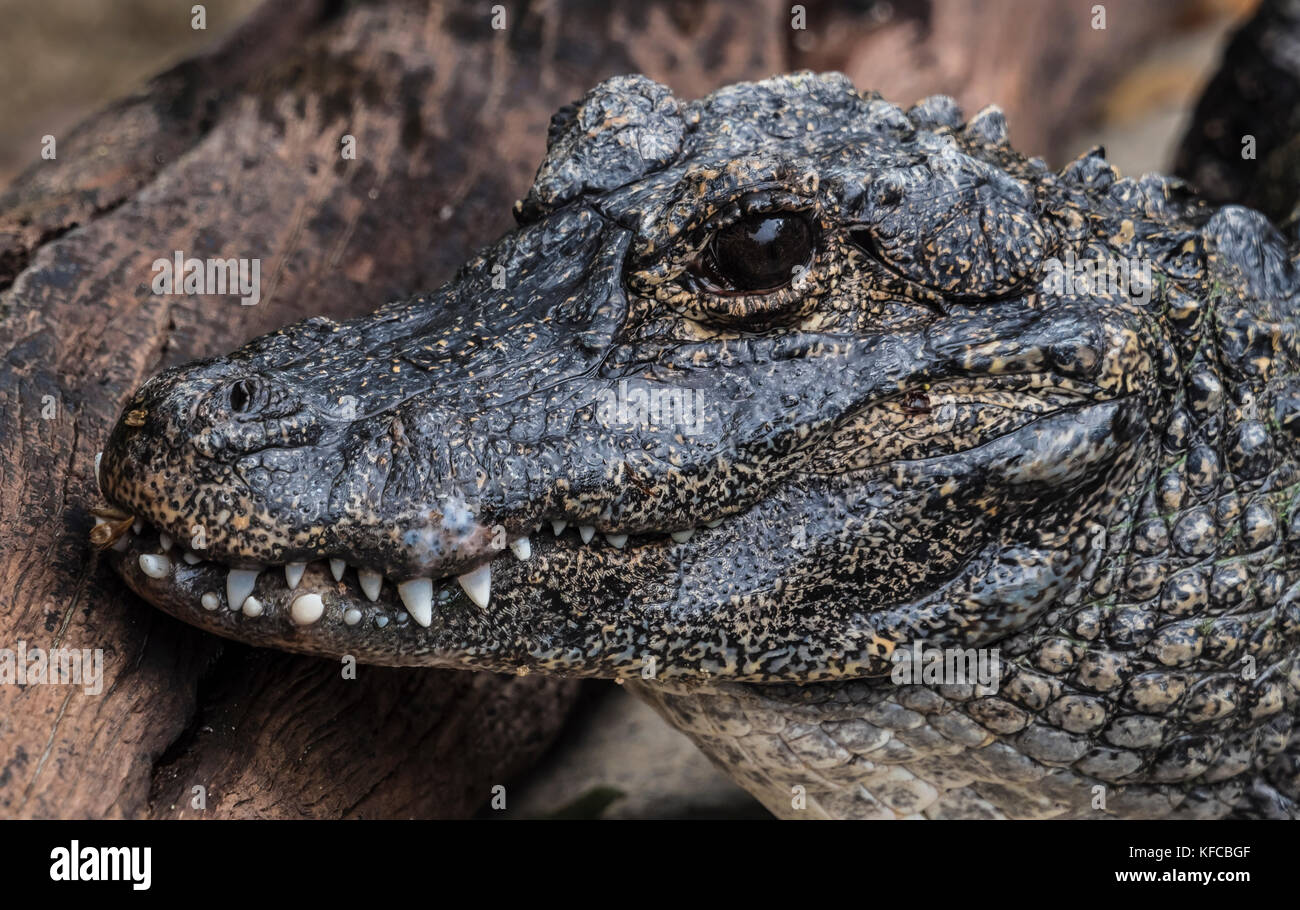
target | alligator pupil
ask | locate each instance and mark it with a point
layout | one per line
(762, 252)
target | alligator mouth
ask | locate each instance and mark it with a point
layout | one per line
(160, 568)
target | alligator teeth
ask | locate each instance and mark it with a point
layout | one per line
(239, 584)
(616, 540)
(558, 525)
(306, 609)
(682, 536)
(293, 573)
(98, 458)
(714, 523)
(191, 558)
(522, 548)
(586, 532)
(252, 607)
(417, 596)
(155, 566)
(210, 600)
(337, 568)
(478, 584)
(165, 541)
(371, 581)
(351, 616)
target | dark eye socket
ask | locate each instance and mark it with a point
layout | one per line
(761, 252)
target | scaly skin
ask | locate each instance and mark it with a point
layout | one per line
(905, 432)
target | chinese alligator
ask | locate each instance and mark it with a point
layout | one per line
(765, 392)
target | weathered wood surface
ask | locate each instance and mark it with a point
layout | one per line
(236, 154)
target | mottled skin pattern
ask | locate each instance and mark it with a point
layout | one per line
(912, 435)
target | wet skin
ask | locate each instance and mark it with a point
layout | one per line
(881, 419)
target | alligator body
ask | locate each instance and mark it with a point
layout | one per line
(767, 393)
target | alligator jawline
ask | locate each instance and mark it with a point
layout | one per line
(158, 557)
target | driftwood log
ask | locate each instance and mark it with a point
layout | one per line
(237, 154)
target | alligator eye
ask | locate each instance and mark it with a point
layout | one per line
(242, 394)
(759, 253)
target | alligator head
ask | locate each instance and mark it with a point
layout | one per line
(762, 388)
(775, 365)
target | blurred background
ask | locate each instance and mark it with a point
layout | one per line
(62, 59)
